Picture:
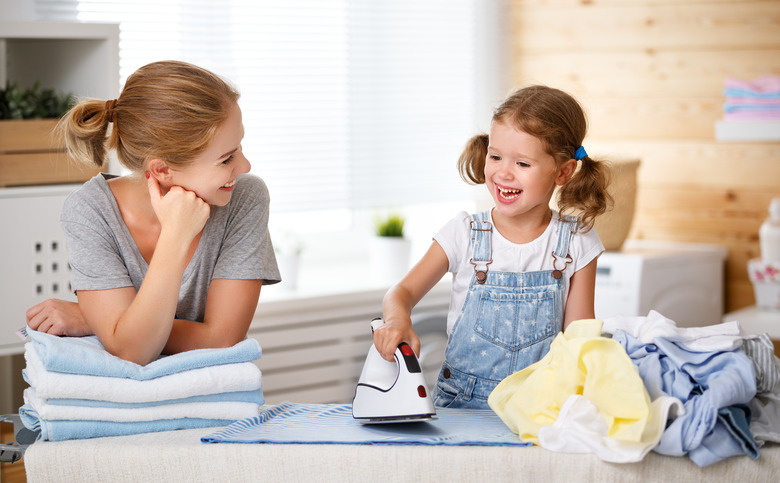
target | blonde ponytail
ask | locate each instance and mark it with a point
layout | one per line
(83, 132)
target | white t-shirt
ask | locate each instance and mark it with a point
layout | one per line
(455, 238)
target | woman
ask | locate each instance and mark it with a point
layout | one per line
(170, 257)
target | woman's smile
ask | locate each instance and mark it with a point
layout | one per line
(228, 186)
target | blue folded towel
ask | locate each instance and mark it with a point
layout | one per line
(63, 430)
(734, 92)
(736, 106)
(333, 424)
(86, 355)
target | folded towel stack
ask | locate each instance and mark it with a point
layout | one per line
(753, 100)
(78, 390)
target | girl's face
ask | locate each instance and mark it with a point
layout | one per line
(519, 174)
(212, 175)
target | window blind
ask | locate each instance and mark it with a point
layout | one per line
(347, 104)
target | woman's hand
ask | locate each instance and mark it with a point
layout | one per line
(180, 211)
(58, 317)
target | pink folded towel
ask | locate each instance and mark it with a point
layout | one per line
(760, 85)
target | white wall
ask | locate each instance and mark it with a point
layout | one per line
(11, 10)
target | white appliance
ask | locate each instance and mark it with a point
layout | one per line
(682, 281)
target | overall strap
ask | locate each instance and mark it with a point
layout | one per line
(568, 227)
(482, 252)
(481, 231)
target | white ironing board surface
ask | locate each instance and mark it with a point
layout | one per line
(179, 456)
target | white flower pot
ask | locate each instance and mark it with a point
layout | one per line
(289, 266)
(389, 258)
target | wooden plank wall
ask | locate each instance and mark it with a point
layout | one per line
(650, 75)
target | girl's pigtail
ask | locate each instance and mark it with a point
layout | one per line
(586, 192)
(471, 164)
(83, 131)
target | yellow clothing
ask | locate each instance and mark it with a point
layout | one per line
(580, 362)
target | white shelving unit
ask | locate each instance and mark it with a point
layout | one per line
(747, 131)
(80, 58)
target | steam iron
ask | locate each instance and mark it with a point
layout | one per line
(391, 392)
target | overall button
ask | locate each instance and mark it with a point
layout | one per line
(446, 373)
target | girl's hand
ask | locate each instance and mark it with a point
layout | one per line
(179, 211)
(58, 317)
(389, 336)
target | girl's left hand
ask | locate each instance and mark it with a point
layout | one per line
(58, 317)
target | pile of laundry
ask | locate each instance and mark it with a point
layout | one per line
(752, 100)
(78, 390)
(628, 385)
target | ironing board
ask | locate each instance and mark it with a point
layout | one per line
(180, 456)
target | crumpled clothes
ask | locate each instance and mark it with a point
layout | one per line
(580, 362)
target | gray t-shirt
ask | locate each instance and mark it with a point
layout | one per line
(235, 244)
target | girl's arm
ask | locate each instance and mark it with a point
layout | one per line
(582, 288)
(401, 298)
(230, 307)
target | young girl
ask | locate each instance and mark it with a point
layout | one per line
(521, 271)
(172, 256)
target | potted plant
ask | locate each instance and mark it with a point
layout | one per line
(29, 154)
(32, 103)
(389, 249)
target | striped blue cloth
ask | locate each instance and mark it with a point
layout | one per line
(290, 423)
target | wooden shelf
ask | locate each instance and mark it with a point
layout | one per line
(747, 131)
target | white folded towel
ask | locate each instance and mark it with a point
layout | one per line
(234, 410)
(243, 376)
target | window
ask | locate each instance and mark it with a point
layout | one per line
(348, 104)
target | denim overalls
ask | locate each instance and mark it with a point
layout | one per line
(507, 323)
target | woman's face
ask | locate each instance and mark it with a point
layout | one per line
(212, 174)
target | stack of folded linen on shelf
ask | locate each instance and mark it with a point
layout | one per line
(78, 390)
(752, 100)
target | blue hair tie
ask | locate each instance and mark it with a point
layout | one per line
(580, 153)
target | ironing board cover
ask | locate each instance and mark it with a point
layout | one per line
(333, 424)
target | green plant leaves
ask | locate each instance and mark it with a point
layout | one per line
(33, 103)
(390, 225)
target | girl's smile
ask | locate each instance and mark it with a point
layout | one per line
(507, 195)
